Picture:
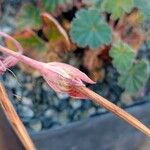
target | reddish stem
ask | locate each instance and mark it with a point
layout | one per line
(15, 120)
(114, 109)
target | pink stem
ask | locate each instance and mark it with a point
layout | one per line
(31, 62)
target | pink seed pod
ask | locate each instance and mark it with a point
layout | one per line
(62, 77)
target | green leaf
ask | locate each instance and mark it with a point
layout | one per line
(54, 32)
(117, 8)
(123, 56)
(93, 3)
(51, 5)
(29, 40)
(29, 17)
(144, 6)
(52, 29)
(134, 79)
(148, 39)
(89, 29)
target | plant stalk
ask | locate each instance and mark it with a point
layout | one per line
(15, 120)
(31, 62)
(114, 109)
(87, 92)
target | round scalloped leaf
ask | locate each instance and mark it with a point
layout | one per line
(135, 78)
(117, 8)
(144, 6)
(123, 56)
(89, 29)
(29, 17)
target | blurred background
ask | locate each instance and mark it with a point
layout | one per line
(44, 111)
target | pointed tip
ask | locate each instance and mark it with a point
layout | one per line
(86, 79)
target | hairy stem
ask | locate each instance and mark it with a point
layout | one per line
(31, 62)
(114, 109)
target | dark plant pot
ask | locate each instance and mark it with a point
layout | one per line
(8, 138)
(105, 132)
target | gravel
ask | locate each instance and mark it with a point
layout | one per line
(39, 107)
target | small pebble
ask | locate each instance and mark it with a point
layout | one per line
(49, 113)
(75, 104)
(62, 96)
(27, 101)
(91, 111)
(76, 115)
(11, 81)
(63, 117)
(25, 111)
(35, 125)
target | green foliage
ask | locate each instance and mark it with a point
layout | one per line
(51, 5)
(117, 8)
(148, 39)
(29, 40)
(123, 57)
(132, 76)
(29, 17)
(89, 29)
(51, 28)
(54, 32)
(134, 79)
(144, 6)
(93, 3)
